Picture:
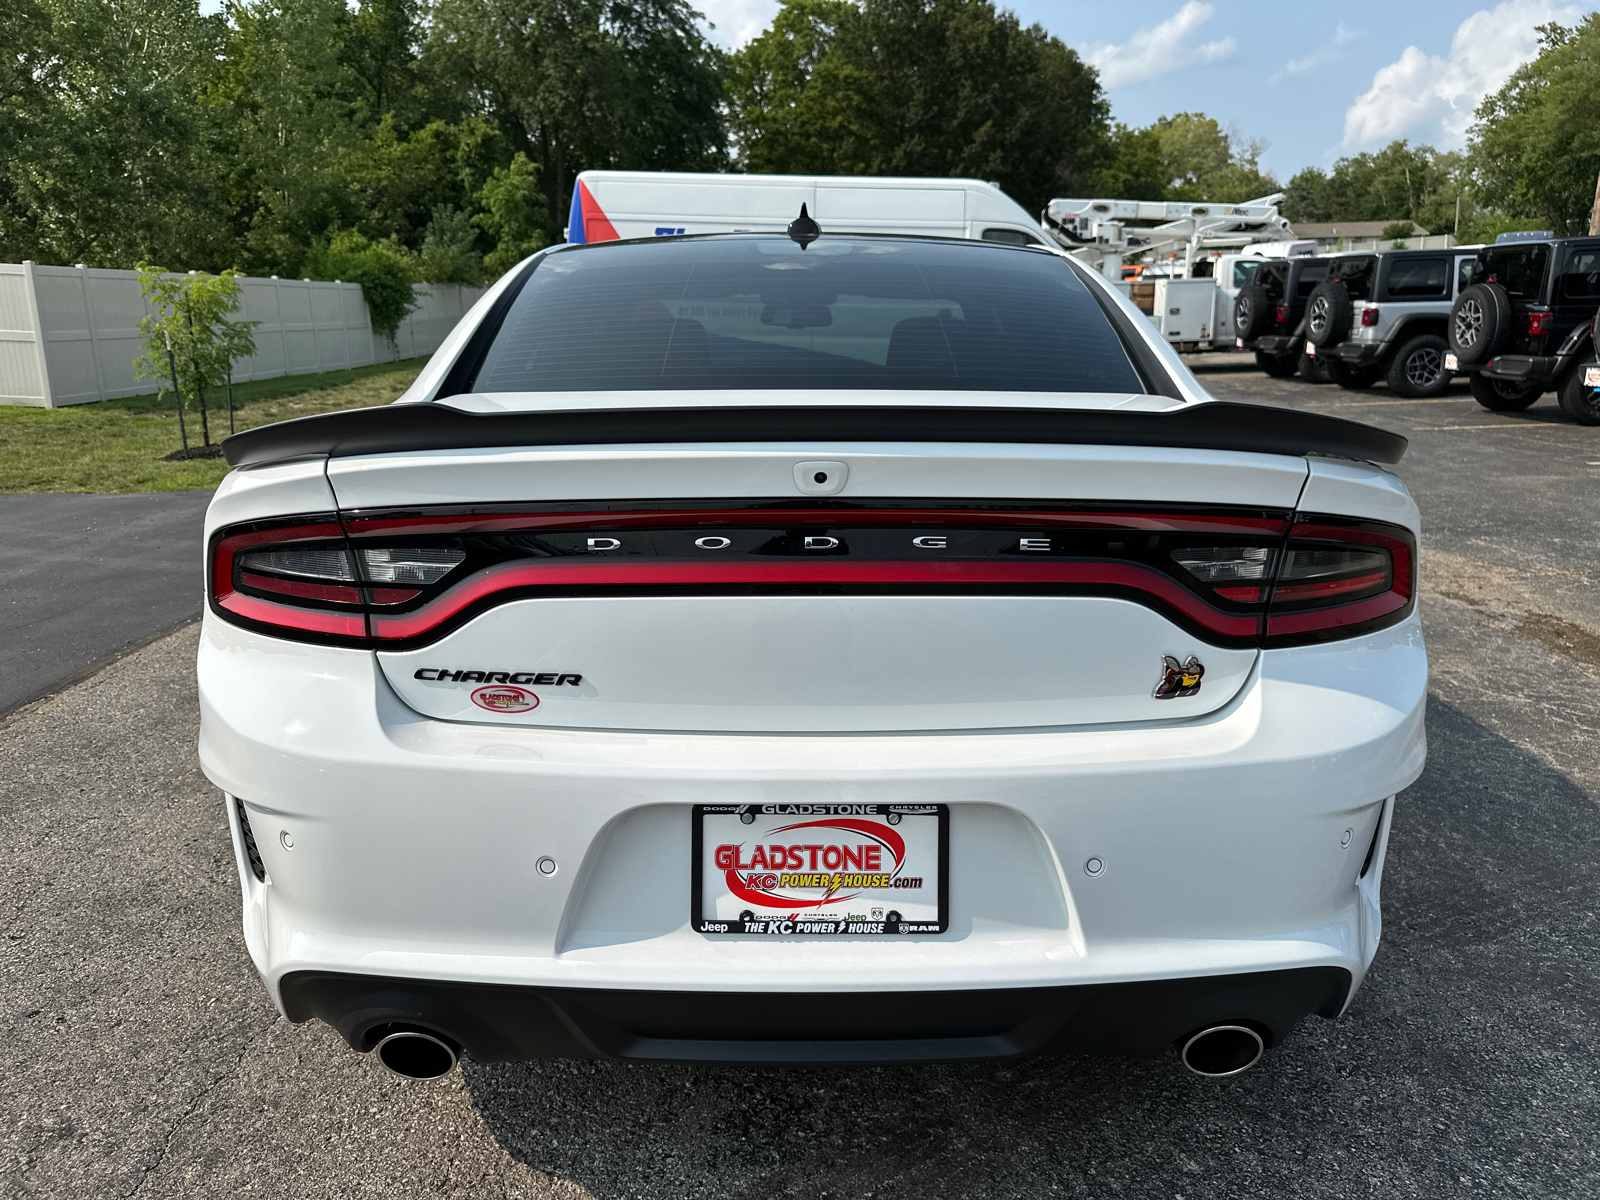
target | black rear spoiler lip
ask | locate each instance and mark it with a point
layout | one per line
(1215, 425)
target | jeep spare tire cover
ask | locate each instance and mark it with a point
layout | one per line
(1480, 319)
(1328, 315)
(1252, 312)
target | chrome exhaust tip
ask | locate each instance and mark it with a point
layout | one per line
(416, 1054)
(1218, 1051)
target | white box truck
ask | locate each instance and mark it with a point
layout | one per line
(608, 205)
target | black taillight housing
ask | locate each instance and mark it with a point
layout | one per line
(398, 580)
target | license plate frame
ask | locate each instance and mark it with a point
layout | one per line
(912, 843)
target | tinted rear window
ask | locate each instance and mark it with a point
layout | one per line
(1580, 282)
(1355, 274)
(1518, 269)
(1308, 277)
(1418, 279)
(757, 312)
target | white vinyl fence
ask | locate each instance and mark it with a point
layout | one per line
(70, 335)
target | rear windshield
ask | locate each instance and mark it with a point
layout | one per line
(1272, 278)
(1518, 269)
(1244, 272)
(758, 312)
(1355, 274)
(1307, 278)
(1580, 282)
(1418, 279)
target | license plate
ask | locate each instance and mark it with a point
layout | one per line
(1311, 350)
(1451, 363)
(1591, 377)
(821, 870)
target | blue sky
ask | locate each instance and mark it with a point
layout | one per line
(1312, 81)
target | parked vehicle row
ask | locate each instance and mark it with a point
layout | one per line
(1519, 319)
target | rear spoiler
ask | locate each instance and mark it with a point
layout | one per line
(1217, 425)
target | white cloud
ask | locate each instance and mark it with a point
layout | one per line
(737, 21)
(1433, 98)
(1149, 53)
(1343, 35)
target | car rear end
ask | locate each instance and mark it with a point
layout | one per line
(875, 654)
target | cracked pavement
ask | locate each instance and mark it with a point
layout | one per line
(142, 1058)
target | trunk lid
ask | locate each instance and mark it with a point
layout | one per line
(912, 587)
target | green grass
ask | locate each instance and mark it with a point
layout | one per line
(116, 445)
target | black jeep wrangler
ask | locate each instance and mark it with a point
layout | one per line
(1269, 312)
(1524, 325)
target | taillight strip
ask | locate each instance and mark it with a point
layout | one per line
(290, 618)
(827, 572)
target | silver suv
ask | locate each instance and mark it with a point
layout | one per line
(1384, 315)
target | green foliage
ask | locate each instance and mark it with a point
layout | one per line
(1536, 144)
(449, 251)
(439, 139)
(917, 87)
(576, 84)
(192, 333)
(1396, 231)
(514, 215)
(1417, 183)
(381, 268)
(100, 139)
(1135, 169)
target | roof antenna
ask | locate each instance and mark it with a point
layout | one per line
(803, 229)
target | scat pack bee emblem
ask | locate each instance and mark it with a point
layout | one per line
(1178, 679)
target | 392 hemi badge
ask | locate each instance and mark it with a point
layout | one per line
(1179, 679)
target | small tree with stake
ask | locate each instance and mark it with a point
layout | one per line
(192, 340)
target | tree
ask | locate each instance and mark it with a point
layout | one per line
(918, 87)
(1536, 144)
(1136, 169)
(575, 84)
(1400, 183)
(514, 212)
(192, 324)
(381, 268)
(1201, 161)
(103, 155)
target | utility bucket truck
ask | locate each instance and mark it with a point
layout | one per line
(1192, 262)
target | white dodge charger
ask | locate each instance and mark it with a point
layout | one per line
(872, 651)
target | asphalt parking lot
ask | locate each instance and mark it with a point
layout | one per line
(142, 1058)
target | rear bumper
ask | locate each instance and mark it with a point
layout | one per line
(1360, 354)
(1522, 368)
(1280, 345)
(402, 846)
(503, 1024)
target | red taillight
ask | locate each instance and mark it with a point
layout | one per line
(1369, 316)
(294, 578)
(1281, 314)
(405, 579)
(1539, 322)
(1339, 578)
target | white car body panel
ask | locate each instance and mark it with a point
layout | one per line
(881, 470)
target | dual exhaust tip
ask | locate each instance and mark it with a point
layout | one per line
(1216, 1052)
